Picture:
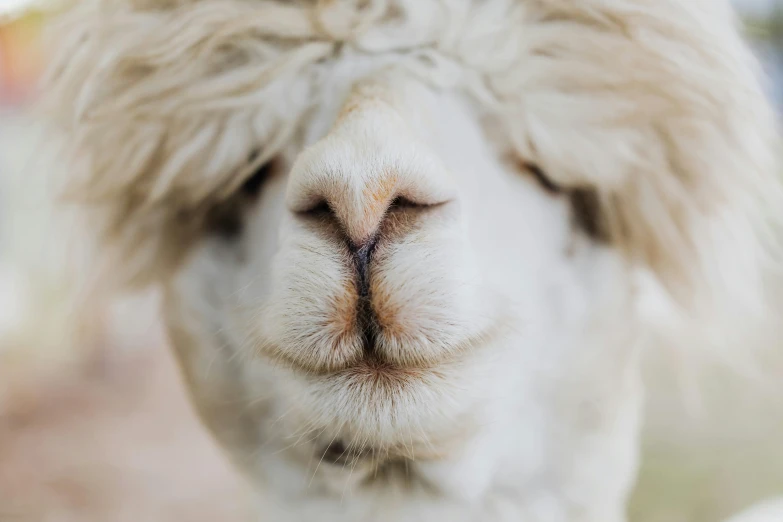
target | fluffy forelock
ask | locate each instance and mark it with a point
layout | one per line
(656, 105)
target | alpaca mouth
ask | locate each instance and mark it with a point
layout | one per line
(377, 373)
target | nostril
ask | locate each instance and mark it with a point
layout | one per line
(359, 217)
(320, 209)
(402, 202)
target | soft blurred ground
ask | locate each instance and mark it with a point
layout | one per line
(95, 427)
(117, 443)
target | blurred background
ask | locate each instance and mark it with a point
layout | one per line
(94, 426)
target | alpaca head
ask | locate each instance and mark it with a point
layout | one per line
(420, 232)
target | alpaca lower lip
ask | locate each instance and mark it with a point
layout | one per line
(372, 372)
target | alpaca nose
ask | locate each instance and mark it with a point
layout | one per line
(358, 205)
(366, 165)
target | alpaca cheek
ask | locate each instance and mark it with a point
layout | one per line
(214, 383)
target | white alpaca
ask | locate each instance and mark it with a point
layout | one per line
(409, 249)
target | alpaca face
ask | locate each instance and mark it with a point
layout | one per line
(408, 248)
(368, 302)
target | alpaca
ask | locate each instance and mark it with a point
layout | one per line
(411, 252)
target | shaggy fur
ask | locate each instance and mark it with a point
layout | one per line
(685, 139)
(502, 377)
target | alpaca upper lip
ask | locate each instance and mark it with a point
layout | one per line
(362, 255)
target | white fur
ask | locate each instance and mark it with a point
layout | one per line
(508, 340)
